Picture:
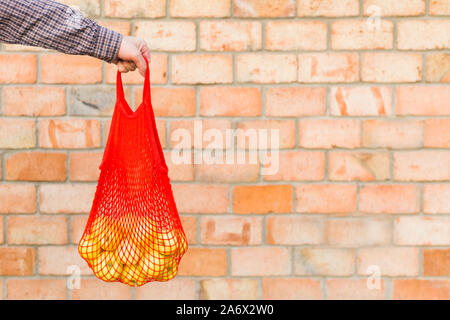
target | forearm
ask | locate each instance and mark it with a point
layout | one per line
(52, 25)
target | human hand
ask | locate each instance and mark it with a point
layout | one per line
(131, 55)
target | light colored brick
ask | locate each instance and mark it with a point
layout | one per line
(324, 261)
(135, 8)
(36, 289)
(17, 261)
(389, 199)
(262, 199)
(95, 289)
(394, 7)
(439, 7)
(353, 289)
(56, 260)
(266, 68)
(204, 262)
(422, 165)
(69, 134)
(201, 134)
(295, 102)
(283, 35)
(84, 166)
(90, 8)
(358, 166)
(260, 261)
(17, 133)
(229, 289)
(391, 261)
(93, 100)
(391, 67)
(421, 289)
(246, 129)
(422, 231)
(438, 67)
(18, 68)
(167, 35)
(123, 27)
(59, 198)
(264, 8)
(325, 198)
(67, 69)
(291, 289)
(423, 100)
(361, 35)
(361, 101)
(329, 133)
(230, 101)
(294, 230)
(176, 289)
(437, 133)
(299, 166)
(170, 102)
(37, 230)
(230, 35)
(358, 232)
(231, 230)
(436, 198)
(395, 134)
(36, 166)
(436, 262)
(31, 101)
(201, 198)
(202, 68)
(328, 67)
(327, 8)
(17, 198)
(179, 171)
(423, 34)
(200, 8)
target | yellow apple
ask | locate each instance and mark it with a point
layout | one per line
(89, 247)
(107, 267)
(132, 276)
(183, 244)
(99, 226)
(152, 264)
(110, 239)
(143, 233)
(166, 242)
(170, 271)
(128, 252)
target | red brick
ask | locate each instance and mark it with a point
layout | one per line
(394, 7)
(422, 165)
(419, 289)
(436, 198)
(228, 289)
(328, 67)
(260, 261)
(231, 230)
(358, 232)
(353, 289)
(2, 237)
(170, 102)
(246, 130)
(324, 261)
(123, 27)
(17, 261)
(36, 166)
(37, 230)
(179, 171)
(437, 133)
(264, 8)
(161, 35)
(185, 134)
(391, 67)
(31, 101)
(202, 68)
(360, 35)
(262, 199)
(84, 166)
(69, 134)
(59, 68)
(436, 262)
(78, 224)
(18, 68)
(295, 102)
(176, 289)
(189, 224)
(326, 198)
(389, 199)
(36, 289)
(422, 231)
(283, 35)
(396, 134)
(299, 166)
(423, 34)
(230, 101)
(17, 133)
(328, 8)
(329, 133)
(266, 68)
(201, 198)
(56, 260)
(17, 198)
(361, 101)
(200, 8)
(391, 261)
(204, 262)
(358, 166)
(95, 289)
(294, 230)
(423, 100)
(439, 7)
(134, 9)
(230, 35)
(59, 198)
(291, 289)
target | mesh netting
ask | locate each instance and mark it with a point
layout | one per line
(133, 234)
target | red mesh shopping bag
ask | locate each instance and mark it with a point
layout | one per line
(133, 234)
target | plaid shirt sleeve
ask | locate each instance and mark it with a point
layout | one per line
(52, 25)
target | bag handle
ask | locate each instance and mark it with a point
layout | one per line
(147, 96)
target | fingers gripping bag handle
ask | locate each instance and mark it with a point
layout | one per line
(133, 234)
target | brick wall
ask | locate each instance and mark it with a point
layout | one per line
(363, 108)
